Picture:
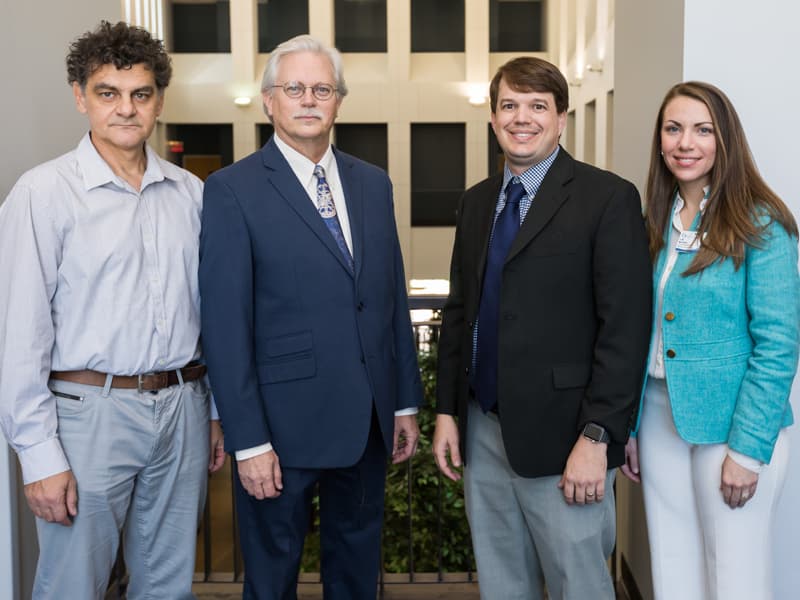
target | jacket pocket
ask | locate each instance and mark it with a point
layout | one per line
(571, 376)
(287, 357)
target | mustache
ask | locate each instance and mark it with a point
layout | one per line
(309, 112)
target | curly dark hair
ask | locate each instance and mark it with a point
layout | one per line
(121, 45)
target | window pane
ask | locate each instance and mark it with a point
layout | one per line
(515, 25)
(437, 25)
(265, 131)
(360, 25)
(366, 141)
(203, 139)
(497, 159)
(201, 27)
(279, 20)
(438, 173)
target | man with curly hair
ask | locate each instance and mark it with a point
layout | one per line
(102, 394)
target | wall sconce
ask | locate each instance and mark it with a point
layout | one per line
(576, 82)
(596, 67)
(243, 101)
(477, 100)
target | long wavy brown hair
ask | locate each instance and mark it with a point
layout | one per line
(739, 198)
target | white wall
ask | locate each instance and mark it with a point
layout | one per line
(754, 60)
(39, 123)
(749, 51)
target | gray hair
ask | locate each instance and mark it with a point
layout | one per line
(303, 43)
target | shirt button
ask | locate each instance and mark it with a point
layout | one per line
(669, 316)
(670, 353)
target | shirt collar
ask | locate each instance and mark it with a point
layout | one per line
(533, 176)
(96, 172)
(680, 203)
(301, 166)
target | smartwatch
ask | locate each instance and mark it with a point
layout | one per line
(595, 433)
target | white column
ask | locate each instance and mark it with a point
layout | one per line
(321, 20)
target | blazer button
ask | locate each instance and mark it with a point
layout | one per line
(360, 306)
(670, 353)
(466, 370)
(669, 316)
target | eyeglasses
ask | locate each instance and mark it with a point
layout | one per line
(295, 89)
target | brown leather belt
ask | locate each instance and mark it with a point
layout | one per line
(148, 382)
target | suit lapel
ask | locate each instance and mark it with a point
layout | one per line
(354, 193)
(485, 221)
(282, 178)
(549, 198)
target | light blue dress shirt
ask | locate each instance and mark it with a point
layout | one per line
(96, 275)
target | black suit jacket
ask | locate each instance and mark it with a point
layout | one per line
(575, 314)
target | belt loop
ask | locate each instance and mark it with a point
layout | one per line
(107, 386)
(180, 377)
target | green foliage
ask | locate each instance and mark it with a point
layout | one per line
(426, 518)
(425, 527)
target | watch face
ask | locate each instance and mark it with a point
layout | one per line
(594, 432)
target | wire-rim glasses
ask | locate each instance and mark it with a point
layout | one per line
(295, 89)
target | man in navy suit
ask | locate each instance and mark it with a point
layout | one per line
(307, 335)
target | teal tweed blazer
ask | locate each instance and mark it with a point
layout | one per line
(731, 339)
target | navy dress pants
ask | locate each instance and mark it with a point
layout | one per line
(273, 530)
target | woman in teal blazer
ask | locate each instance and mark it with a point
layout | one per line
(723, 354)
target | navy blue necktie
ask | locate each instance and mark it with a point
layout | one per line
(505, 230)
(327, 210)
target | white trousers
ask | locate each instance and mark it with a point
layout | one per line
(700, 548)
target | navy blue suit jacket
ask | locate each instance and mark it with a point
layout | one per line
(298, 348)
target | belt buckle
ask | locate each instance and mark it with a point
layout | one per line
(161, 381)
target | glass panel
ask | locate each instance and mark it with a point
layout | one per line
(279, 20)
(265, 131)
(360, 25)
(367, 141)
(437, 25)
(202, 140)
(438, 172)
(201, 26)
(515, 25)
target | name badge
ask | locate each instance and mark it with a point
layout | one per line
(688, 241)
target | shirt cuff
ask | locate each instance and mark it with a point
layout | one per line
(253, 452)
(213, 413)
(42, 460)
(406, 411)
(748, 462)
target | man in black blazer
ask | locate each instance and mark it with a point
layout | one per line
(543, 345)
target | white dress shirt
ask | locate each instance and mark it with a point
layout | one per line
(96, 275)
(303, 169)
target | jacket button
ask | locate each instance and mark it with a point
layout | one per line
(466, 370)
(360, 306)
(669, 316)
(670, 353)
